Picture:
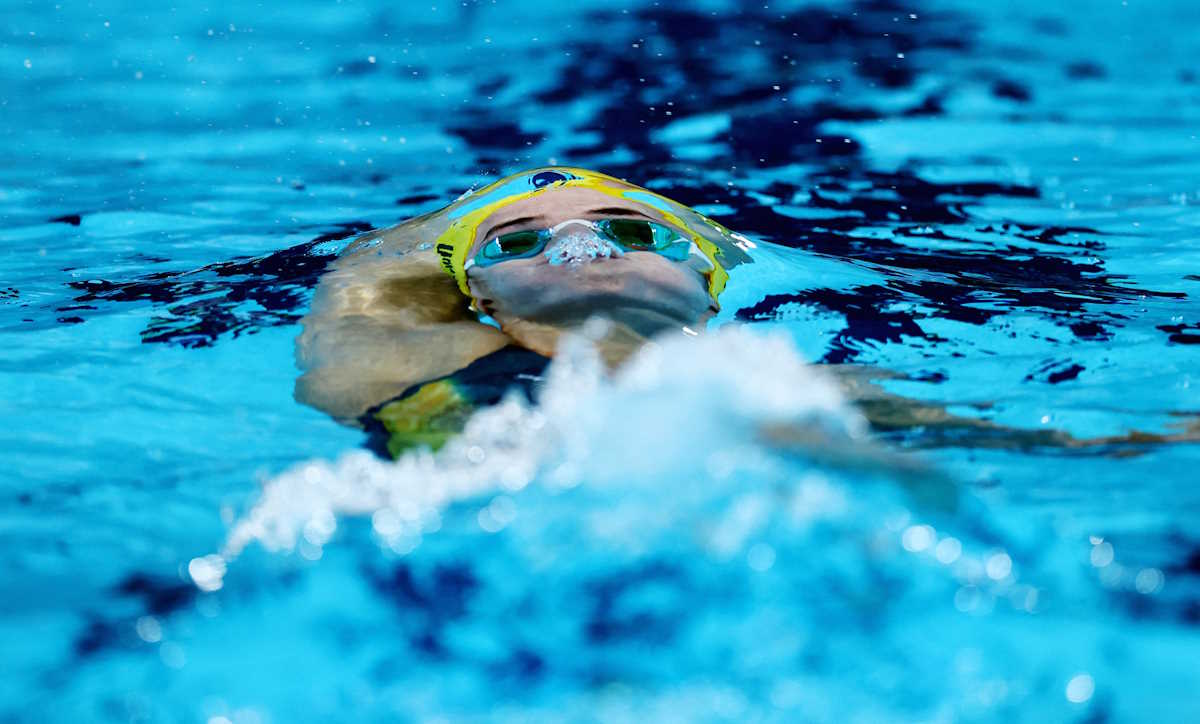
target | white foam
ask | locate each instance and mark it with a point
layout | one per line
(666, 410)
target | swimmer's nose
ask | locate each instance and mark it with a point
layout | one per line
(577, 244)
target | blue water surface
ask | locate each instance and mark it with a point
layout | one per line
(992, 208)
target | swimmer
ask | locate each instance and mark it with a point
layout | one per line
(417, 325)
(501, 274)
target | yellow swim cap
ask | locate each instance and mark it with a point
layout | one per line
(466, 214)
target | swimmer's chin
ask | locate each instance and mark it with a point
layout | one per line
(645, 318)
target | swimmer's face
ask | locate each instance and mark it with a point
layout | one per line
(580, 272)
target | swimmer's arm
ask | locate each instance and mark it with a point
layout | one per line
(936, 426)
(380, 324)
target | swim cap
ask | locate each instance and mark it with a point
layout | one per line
(465, 216)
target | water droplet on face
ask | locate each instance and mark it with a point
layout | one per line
(580, 247)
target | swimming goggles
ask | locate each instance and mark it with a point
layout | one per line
(624, 234)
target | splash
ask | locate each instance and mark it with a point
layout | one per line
(707, 529)
(581, 414)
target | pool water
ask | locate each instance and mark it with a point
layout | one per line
(992, 208)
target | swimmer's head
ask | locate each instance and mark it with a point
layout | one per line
(558, 245)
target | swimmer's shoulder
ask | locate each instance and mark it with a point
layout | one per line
(408, 237)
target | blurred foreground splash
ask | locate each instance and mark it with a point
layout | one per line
(710, 535)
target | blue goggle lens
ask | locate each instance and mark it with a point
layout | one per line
(517, 245)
